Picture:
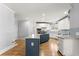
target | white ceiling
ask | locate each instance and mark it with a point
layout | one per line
(52, 11)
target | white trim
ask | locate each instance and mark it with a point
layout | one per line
(7, 7)
(8, 48)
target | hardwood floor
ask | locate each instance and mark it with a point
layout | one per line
(49, 48)
(17, 50)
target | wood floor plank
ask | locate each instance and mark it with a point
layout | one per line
(49, 48)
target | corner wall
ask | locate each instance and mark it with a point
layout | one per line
(8, 27)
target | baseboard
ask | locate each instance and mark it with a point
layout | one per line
(60, 53)
(53, 38)
(8, 48)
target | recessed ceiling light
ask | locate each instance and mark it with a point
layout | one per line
(66, 12)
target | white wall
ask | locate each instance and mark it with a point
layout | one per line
(74, 16)
(8, 27)
(26, 28)
(74, 20)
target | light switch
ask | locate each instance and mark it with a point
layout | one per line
(32, 43)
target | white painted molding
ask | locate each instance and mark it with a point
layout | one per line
(7, 7)
(8, 48)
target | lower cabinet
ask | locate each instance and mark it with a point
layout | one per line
(66, 46)
(32, 47)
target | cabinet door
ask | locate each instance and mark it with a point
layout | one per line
(32, 47)
(61, 45)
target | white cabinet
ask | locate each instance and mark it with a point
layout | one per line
(66, 46)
